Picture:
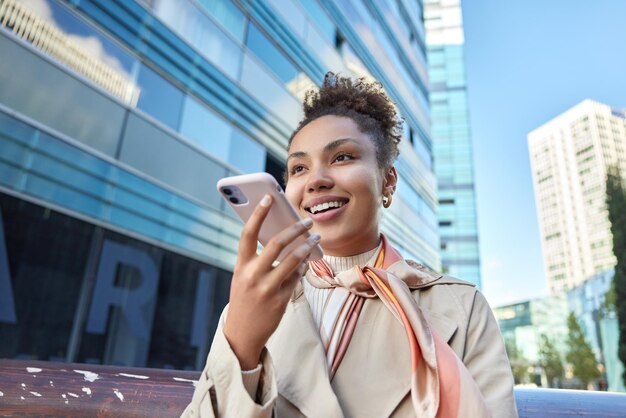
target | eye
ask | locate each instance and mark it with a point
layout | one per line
(343, 157)
(296, 169)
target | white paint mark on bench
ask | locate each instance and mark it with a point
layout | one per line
(180, 379)
(73, 395)
(33, 369)
(118, 394)
(89, 376)
(134, 376)
(87, 391)
(36, 394)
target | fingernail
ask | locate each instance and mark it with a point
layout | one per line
(307, 222)
(314, 238)
(266, 200)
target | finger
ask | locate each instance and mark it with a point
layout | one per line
(250, 232)
(290, 283)
(277, 244)
(293, 261)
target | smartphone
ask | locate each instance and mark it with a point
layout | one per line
(243, 193)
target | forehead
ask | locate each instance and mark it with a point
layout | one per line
(326, 129)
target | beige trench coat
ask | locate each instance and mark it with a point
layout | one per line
(373, 379)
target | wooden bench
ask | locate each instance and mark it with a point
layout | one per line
(39, 388)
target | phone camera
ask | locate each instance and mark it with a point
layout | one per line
(234, 200)
(227, 192)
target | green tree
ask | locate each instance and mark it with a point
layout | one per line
(616, 204)
(580, 355)
(550, 360)
(519, 364)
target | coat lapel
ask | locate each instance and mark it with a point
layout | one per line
(375, 374)
(300, 363)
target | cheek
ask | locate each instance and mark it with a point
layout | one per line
(293, 194)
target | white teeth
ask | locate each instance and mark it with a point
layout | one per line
(324, 206)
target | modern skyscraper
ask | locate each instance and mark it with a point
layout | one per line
(570, 156)
(117, 117)
(452, 142)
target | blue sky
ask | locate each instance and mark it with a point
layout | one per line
(528, 61)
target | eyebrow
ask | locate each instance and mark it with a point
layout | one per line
(328, 147)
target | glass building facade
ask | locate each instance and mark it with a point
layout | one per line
(117, 118)
(452, 142)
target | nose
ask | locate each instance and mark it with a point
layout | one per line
(319, 179)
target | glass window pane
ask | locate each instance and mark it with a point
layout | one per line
(170, 161)
(188, 20)
(47, 255)
(229, 15)
(321, 19)
(205, 128)
(75, 44)
(291, 14)
(271, 56)
(246, 154)
(269, 91)
(159, 98)
(50, 89)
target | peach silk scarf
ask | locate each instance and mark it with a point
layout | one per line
(441, 386)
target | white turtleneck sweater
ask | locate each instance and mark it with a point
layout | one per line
(317, 299)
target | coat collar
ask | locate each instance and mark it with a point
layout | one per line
(300, 363)
(374, 376)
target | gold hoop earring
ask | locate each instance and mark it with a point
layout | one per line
(387, 201)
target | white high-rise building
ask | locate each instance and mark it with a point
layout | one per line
(570, 156)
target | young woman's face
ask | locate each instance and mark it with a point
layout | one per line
(334, 179)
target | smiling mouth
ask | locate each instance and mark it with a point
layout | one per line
(323, 207)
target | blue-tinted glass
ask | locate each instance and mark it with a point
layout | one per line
(52, 191)
(94, 42)
(246, 154)
(135, 203)
(162, 156)
(270, 55)
(188, 20)
(324, 24)
(267, 89)
(205, 128)
(159, 98)
(225, 12)
(49, 89)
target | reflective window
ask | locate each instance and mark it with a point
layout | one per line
(321, 19)
(206, 129)
(292, 15)
(186, 18)
(170, 161)
(269, 91)
(50, 88)
(270, 55)
(246, 154)
(158, 97)
(72, 42)
(144, 306)
(229, 15)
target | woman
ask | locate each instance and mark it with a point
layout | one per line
(364, 333)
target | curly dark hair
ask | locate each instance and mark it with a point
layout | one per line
(363, 102)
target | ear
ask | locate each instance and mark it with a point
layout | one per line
(391, 181)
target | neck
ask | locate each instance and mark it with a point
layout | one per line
(339, 263)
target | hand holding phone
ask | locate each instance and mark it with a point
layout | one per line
(260, 290)
(243, 193)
